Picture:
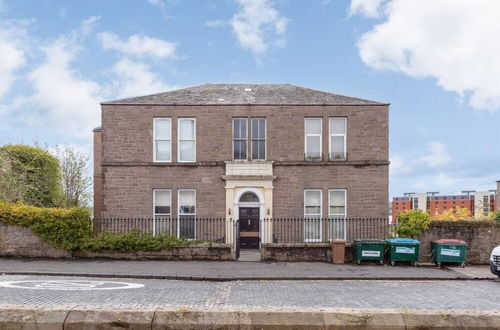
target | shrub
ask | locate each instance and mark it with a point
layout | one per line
(71, 229)
(412, 223)
(496, 216)
(132, 241)
(37, 172)
(62, 228)
(454, 214)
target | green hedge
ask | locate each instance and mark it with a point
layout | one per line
(62, 228)
(132, 241)
(71, 229)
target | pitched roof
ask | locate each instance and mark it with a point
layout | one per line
(244, 94)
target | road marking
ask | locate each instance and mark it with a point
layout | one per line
(69, 285)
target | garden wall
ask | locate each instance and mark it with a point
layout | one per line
(20, 242)
(300, 252)
(481, 237)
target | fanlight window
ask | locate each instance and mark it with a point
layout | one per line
(249, 197)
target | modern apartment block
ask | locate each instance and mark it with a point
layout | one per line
(242, 152)
(479, 203)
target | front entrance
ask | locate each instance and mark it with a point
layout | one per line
(249, 227)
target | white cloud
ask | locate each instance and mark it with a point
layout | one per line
(66, 102)
(258, 25)
(88, 25)
(13, 57)
(368, 8)
(136, 78)
(453, 41)
(158, 3)
(399, 166)
(137, 45)
(215, 23)
(438, 155)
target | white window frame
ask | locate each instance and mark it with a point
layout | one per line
(240, 139)
(320, 215)
(179, 214)
(413, 203)
(320, 136)
(259, 139)
(158, 140)
(179, 139)
(336, 134)
(334, 215)
(160, 214)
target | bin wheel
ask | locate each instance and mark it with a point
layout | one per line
(381, 262)
(393, 263)
(438, 264)
(358, 262)
(462, 265)
(415, 264)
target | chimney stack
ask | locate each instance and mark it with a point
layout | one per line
(498, 191)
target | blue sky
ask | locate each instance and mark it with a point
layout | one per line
(432, 60)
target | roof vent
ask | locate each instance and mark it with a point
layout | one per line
(248, 89)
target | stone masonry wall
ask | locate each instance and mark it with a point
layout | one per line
(481, 238)
(130, 175)
(20, 242)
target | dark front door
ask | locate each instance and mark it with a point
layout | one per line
(249, 227)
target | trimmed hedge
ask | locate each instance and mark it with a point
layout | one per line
(62, 228)
(71, 229)
(132, 241)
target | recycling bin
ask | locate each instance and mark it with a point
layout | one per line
(448, 250)
(403, 249)
(369, 249)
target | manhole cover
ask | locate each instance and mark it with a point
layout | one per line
(69, 285)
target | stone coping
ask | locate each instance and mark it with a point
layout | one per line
(76, 317)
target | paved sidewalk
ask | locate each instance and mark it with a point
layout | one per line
(223, 271)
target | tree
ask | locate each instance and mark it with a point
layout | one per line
(75, 178)
(36, 172)
(12, 182)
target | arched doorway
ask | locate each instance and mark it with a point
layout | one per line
(249, 203)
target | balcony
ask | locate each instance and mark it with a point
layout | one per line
(313, 157)
(337, 157)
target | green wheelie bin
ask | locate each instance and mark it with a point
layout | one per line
(448, 250)
(369, 249)
(403, 249)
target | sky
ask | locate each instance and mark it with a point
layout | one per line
(436, 62)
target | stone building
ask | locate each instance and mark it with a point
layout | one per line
(244, 152)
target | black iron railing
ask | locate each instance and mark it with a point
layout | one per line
(190, 227)
(337, 156)
(276, 230)
(298, 230)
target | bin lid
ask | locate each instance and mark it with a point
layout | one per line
(403, 241)
(369, 241)
(449, 241)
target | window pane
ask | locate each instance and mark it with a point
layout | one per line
(259, 150)
(337, 202)
(163, 150)
(313, 203)
(313, 146)
(240, 150)
(162, 129)
(258, 128)
(337, 144)
(239, 128)
(186, 150)
(162, 201)
(312, 229)
(313, 126)
(337, 125)
(186, 127)
(311, 210)
(187, 227)
(187, 202)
